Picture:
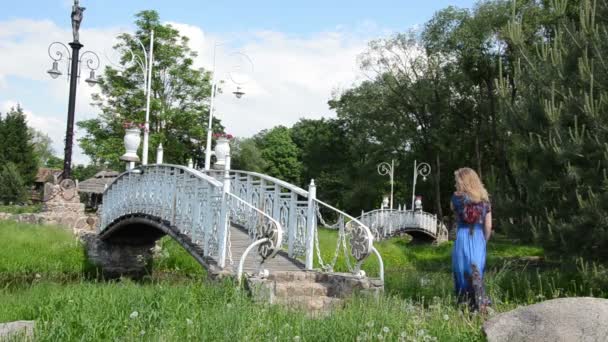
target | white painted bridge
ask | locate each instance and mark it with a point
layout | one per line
(238, 221)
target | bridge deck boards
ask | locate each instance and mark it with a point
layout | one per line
(239, 241)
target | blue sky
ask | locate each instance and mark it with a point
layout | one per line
(295, 17)
(302, 54)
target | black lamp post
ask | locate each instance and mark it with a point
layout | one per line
(57, 54)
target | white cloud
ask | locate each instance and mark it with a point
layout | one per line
(293, 76)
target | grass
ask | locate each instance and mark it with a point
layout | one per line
(177, 303)
(21, 209)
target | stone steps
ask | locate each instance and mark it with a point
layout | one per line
(314, 292)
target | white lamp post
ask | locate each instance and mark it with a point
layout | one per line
(422, 169)
(145, 65)
(238, 93)
(388, 169)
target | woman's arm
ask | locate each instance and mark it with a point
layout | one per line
(487, 227)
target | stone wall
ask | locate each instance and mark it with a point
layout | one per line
(78, 223)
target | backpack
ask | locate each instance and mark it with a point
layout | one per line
(471, 212)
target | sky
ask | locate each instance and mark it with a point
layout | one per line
(302, 52)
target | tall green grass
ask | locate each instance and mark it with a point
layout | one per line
(176, 303)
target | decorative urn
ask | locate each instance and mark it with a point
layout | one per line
(131, 141)
(222, 150)
(418, 203)
(384, 201)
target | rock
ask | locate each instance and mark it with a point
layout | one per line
(18, 330)
(564, 319)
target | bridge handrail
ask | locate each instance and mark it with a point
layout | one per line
(274, 236)
(296, 189)
(360, 238)
(138, 169)
(387, 218)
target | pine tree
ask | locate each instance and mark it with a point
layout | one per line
(12, 189)
(560, 126)
(16, 144)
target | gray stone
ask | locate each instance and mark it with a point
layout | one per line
(564, 319)
(314, 292)
(115, 260)
(18, 331)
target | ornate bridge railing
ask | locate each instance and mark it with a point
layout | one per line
(298, 210)
(385, 223)
(195, 204)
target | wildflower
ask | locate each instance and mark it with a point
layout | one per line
(134, 315)
(386, 330)
(142, 333)
(296, 338)
(189, 321)
(380, 337)
(370, 324)
(420, 332)
(446, 317)
(403, 334)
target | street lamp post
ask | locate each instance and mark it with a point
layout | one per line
(238, 93)
(384, 169)
(145, 65)
(422, 169)
(73, 72)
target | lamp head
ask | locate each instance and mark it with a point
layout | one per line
(92, 80)
(54, 71)
(238, 93)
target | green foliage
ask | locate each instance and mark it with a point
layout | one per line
(83, 172)
(179, 99)
(280, 154)
(246, 155)
(54, 162)
(16, 144)
(556, 110)
(12, 189)
(42, 147)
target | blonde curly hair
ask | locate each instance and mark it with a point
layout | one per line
(468, 182)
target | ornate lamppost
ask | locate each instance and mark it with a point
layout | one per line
(59, 52)
(384, 169)
(238, 93)
(422, 169)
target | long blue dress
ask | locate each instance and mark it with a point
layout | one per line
(469, 254)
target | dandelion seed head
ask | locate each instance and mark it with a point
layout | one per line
(446, 317)
(134, 315)
(386, 330)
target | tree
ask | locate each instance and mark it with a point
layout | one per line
(42, 146)
(280, 154)
(16, 145)
(54, 162)
(559, 125)
(179, 99)
(247, 156)
(12, 188)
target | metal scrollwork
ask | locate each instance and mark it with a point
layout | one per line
(360, 242)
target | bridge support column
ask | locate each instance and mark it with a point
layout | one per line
(311, 225)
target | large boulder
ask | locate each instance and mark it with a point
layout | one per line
(564, 319)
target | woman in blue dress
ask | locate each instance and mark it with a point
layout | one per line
(471, 206)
